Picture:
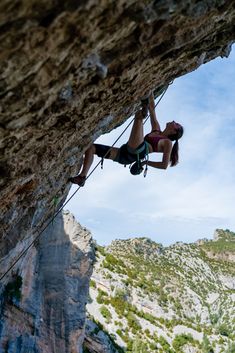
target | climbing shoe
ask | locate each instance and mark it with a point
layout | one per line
(79, 180)
(145, 102)
(145, 106)
(140, 114)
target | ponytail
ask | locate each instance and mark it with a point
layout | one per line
(174, 157)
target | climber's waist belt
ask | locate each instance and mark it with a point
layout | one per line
(128, 155)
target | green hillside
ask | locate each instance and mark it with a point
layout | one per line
(175, 299)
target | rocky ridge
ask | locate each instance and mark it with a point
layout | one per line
(173, 299)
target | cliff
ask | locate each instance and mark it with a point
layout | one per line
(167, 299)
(71, 71)
(43, 306)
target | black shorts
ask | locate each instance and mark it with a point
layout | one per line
(102, 151)
(128, 155)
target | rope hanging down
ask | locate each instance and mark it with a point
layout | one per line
(61, 207)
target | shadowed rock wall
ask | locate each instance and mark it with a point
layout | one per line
(42, 309)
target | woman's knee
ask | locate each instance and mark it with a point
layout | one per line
(90, 150)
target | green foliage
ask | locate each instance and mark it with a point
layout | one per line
(101, 297)
(219, 246)
(108, 276)
(206, 346)
(133, 322)
(139, 346)
(132, 274)
(113, 264)
(148, 317)
(180, 340)
(165, 345)
(226, 234)
(224, 330)
(121, 294)
(92, 283)
(106, 313)
(231, 348)
(119, 332)
(147, 332)
(129, 346)
(163, 298)
(119, 305)
(214, 318)
(101, 250)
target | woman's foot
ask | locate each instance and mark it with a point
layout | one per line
(145, 102)
(141, 114)
(79, 180)
(145, 106)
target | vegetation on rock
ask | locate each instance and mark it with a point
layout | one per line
(169, 299)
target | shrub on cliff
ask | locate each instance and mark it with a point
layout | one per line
(106, 313)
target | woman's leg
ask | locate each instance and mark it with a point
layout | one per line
(87, 161)
(111, 153)
(137, 131)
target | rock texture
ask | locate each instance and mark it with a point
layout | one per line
(72, 70)
(97, 341)
(43, 306)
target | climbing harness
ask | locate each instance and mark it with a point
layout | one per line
(55, 199)
(136, 168)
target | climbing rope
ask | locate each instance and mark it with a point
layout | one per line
(55, 200)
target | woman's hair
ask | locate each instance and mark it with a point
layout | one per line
(174, 157)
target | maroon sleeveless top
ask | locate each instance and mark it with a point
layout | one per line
(153, 140)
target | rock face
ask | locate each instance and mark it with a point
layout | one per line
(97, 341)
(73, 70)
(43, 306)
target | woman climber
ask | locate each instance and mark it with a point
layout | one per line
(138, 147)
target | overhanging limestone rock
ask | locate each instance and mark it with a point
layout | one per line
(71, 71)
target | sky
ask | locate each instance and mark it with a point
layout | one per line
(183, 203)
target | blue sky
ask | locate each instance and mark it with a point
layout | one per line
(183, 203)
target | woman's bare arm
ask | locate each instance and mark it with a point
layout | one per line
(165, 158)
(153, 119)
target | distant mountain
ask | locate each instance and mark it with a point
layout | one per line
(148, 298)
